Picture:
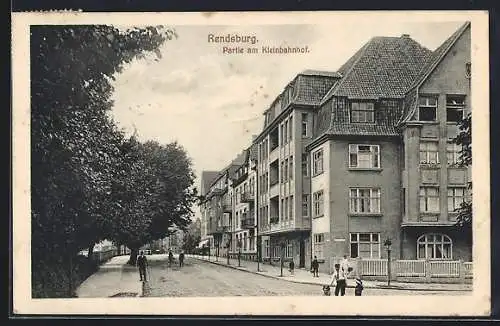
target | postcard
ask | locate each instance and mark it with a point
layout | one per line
(251, 163)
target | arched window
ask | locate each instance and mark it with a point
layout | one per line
(434, 246)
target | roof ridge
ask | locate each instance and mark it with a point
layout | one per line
(436, 58)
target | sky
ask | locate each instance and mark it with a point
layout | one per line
(212, 103)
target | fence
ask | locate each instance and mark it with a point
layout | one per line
(418, 270)
(102, 256)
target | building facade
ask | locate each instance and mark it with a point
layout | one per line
(349, 159)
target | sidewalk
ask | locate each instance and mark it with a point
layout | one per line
(305, 276)
(113, 279)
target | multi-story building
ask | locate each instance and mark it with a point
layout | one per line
(282, 173)
(351, 158)
(243, 223)
(382, 164)
(207, 177)
(217, 209)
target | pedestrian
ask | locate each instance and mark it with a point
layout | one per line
(315, 267)
(359, 287)
(291, 267)
(170, 257)
(339, 279)
(181, 259)
(142, 263)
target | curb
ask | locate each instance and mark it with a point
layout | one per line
(390, 287)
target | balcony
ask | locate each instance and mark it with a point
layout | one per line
(248, 223)
(247, 197)
(227, 207)
(279, 226)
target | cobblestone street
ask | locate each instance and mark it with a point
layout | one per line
(199, 278)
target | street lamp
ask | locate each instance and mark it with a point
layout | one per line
(255, 168)
(228, 242)
(387, 244)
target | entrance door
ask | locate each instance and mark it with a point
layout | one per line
(302, 254)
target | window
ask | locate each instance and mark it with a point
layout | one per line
(434, 246)
(285, 209)
(305, 166)
(289, 249)
(318, 203)
(305, 205)
(364, 156)
(281, 135)
(285, 172)
(455, 106)
(456, 196)
(305, 131)
(429, 152)
(282, 164)
(364, 200)
(290, 125)
(362, 112)
(427, 108)
(285, 132)
(365, 245)
(266, 248)
(453, 153)
(319, 243)
(318, 162)
(290, 169)
(290, 211)
(429, 199)
(468, 70)
(282, 213)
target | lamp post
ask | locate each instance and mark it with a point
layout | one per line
(387, 244)
(227, 246)
(255, 168)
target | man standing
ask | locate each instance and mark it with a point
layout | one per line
(142, 263)
(181, 259)
(339, 278)
(315, 267)
(170, 258)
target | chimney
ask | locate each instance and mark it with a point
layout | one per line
(405, 36)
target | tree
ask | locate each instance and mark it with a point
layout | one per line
(192, 237)
(75, 145)
(464, 138)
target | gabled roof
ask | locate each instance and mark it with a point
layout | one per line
(436, 57)
(207, 177)
(385, 67)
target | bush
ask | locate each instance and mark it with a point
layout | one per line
(51, 278)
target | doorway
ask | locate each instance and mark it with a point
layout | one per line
(302, 253)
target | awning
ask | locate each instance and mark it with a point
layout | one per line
(202, 243)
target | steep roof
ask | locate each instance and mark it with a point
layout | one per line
(385, 67)
(436, 57)
(312, 88)
(207, 177)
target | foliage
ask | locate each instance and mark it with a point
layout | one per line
(88, 181)
(464, 138)
(192, 237)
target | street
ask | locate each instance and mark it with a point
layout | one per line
(202, 279)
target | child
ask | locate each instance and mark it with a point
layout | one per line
(291, 267)
(326, 290)
(359, 287)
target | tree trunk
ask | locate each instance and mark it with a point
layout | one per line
(133, 256)
(91, 251)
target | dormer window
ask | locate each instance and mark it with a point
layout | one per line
(427, 108)
(362, 112)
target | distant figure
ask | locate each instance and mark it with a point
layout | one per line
(339, 279)
(359, 287)
(181, 259)
(291, 267)
(170, 258)
(142, 263)
(315, 267)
